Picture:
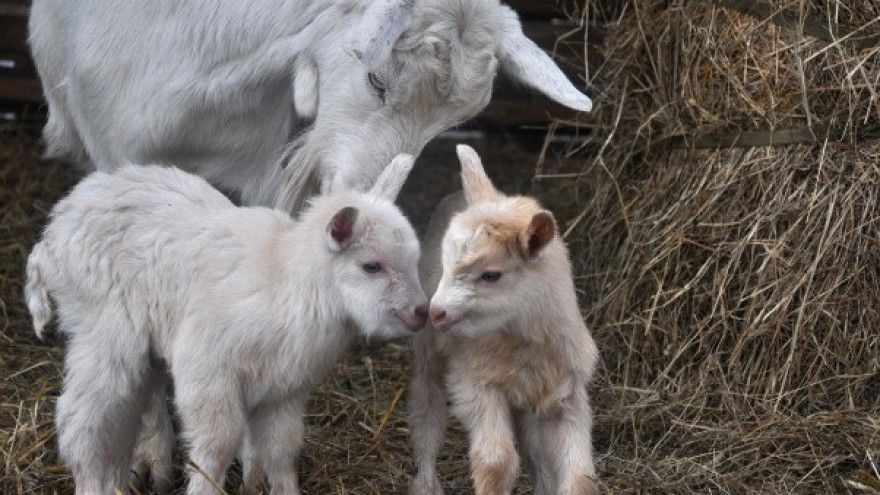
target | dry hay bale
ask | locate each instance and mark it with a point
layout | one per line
(735, 292)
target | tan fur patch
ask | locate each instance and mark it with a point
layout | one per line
(501, 246)
(495, 478)
(530, 376)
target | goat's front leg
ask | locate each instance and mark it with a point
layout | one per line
(275, 438)
(560, 443)
(213, 420)
(427, 413)
(486, 415)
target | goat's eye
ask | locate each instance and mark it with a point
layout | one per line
(372, 267)
(377, 84)
(490, 276)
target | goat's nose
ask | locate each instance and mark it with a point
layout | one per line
(422, 313)
(437, 315)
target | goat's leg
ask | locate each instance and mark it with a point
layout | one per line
(252, 473)
(427, 414)
(486, 415)
(563, 443)
(99, 412)
(154, 452)
(213, 420)
(540, 463)
(276, 436)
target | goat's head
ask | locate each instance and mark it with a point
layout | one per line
(374, 255)
(496, 268)
(408, 70)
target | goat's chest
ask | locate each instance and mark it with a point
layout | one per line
(530, 376)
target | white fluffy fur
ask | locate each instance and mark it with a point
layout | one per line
(270, 98)
(514, 356)
(246, 307)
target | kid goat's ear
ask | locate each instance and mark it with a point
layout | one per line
(476, 184)
(539, 233)
(391, 179)
(340, 230)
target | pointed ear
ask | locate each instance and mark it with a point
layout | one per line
(391, 179)
(539, 233)
(382, 24)
(524, 61)
(476, 184)
(340, 230)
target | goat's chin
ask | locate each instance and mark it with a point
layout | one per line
(389, 329)
(471, 328)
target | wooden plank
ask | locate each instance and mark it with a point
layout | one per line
(13, 32)
(15, 9)
(21, 89)
(16, 63)
(542, 9)
(512, 112)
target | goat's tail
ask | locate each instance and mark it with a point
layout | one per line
(36, 294)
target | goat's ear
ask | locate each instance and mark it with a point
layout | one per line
(476, 184)
(391, 179)
(305, 87)
(524, 61)
(340, 230)
(382, 24)
(539, 233)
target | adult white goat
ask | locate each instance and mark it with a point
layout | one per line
(270, 98)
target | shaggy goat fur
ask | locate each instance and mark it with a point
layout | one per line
(509, 341)
(247, 308)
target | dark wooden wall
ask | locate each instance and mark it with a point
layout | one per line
(545, 21)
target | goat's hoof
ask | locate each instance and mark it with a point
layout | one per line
(425, 486)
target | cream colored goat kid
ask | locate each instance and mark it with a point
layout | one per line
(247, 307)
(508, 344)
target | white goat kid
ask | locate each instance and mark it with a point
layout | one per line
(248, 309)
(271, 98)
(508, 339)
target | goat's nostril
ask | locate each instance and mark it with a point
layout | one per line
(422, 311)
(437, 315)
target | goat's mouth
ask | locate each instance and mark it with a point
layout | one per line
(410, 324)
(448, 325)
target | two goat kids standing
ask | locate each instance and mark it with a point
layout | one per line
(151, 269)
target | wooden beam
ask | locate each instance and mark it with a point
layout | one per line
(512, 112)
(21, 89)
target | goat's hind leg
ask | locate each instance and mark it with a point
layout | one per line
(99, 411)
(540, 465)
(154, 453)
(427, 414)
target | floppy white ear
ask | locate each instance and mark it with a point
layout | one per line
(383, 23)
(527, 63)
(476, 184)
(391, 179)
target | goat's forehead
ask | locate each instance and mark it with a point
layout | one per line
(462, 18)
(471, 31)
(488, 233)
(479, 244)
(390, 234)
